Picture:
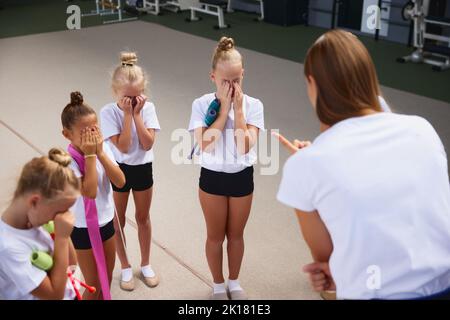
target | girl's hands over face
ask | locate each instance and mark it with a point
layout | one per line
(98, 139)
(238, 97)
(64, 224)
(126, 105)
(224, 94)
(88, 144)
(140, 102)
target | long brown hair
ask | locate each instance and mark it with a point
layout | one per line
(347, 83)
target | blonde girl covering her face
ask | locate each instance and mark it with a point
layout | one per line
(129, 126)
(226, 187)
(46, 190)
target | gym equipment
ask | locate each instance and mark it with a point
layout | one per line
(42, 260)
(107, 7)
(211, 116)
(436, 54)
(50, 228)
(77, 283)
(214, 8)
(155, 6)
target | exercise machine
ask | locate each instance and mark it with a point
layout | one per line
(218, 8)
(214, 8)
(436, 54)
(106, 8)
(154, 7)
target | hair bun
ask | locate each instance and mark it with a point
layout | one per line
(128, 58)
(60, 156)
(225, 44)
(76, 98)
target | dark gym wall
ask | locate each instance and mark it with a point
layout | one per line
(320, 16)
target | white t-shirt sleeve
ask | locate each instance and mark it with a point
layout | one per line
(256, 115)
(17, 266)
(296, 186)
(109, 123)
(197, 116)
(150, 118)
(109, 153)
(74, 166)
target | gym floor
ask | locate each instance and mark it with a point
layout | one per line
(41, 63)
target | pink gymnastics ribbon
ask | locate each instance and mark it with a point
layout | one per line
(93, 227)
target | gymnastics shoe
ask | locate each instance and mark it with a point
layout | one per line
(238, 295)
(150, 281)
(127, 285)
(219, 296)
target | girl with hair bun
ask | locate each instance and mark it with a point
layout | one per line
(227, 158)
(46, 189)
(95, 166)
(129, 125)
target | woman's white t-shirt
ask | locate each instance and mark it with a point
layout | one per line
(111, 121)
(18, 277)
(225, 157)
(380, 184)
(104, 200)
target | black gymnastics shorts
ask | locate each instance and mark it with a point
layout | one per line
(138, 178)
(80, 236)
(239, 184)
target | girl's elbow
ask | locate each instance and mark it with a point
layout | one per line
(121, 182)
(91, 194)
(148, 147)
(123, 149)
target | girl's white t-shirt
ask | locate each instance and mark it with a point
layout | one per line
(104, 200)
(380, 184)
(225, 157)
(111, 121)
(18, 277)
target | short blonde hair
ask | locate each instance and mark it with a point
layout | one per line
(225, 51)
(47, 175)
(128, 73)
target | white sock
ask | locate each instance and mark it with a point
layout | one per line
(127, 274)
(219, 287)
(147, 271)
(233, 285)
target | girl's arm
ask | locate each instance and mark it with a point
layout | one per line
(207, 136)
(146, 136)
(122, 141)
(89, 180)
(245, 136)
(73, 261)
(316, 235)
(112, 171)
(54, 285)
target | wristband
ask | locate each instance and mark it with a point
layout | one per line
(90, 156)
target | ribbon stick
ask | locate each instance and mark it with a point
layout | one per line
(93, 230)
